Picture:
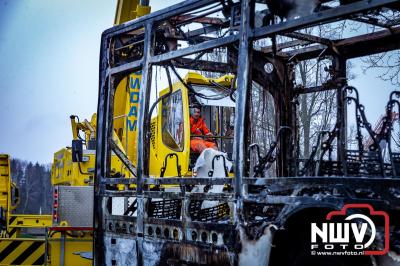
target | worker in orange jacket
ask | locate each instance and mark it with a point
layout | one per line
(199, 127)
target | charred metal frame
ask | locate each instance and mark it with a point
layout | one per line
(247, 69)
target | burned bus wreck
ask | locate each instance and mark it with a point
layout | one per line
(260, 210)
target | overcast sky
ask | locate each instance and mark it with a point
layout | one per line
(49, 52)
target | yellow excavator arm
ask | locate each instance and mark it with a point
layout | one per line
(72, 171)
(130, 9)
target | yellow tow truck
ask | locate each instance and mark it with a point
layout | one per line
(16, 247)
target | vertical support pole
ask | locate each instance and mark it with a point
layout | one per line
(62, 248)
(142, 147)
(101, 147)
(285, 110)
(293, 171)
(108, 125)
(46, 244)
(243, 89)
(185, 213)
(339, 65)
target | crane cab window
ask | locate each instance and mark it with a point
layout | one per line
(217, 112)
(172, 121)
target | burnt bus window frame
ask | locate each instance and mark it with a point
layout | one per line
(242, 39)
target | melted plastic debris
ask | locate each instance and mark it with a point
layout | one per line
(204, 166)
(256, 252)
(151, 253)
(120, 251)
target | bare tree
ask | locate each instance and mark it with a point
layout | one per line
(316, 111)
(387, 64)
